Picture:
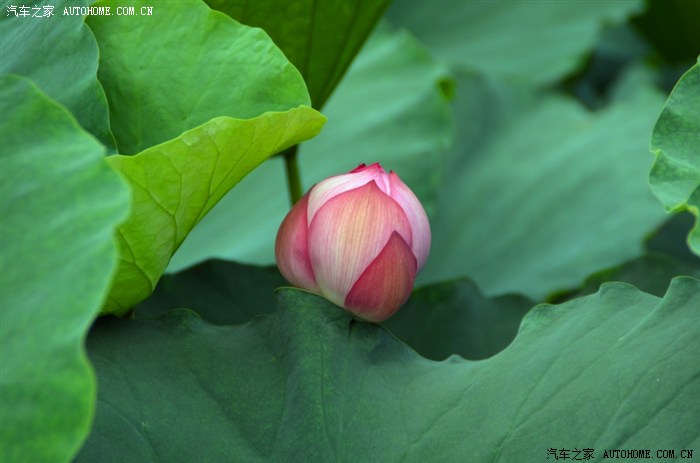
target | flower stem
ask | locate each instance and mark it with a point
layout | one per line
(293, 177)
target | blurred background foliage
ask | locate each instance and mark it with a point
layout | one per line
(523, 127)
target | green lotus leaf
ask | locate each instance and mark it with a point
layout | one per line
(184, 64)
(68, 57)
(221, 292)
(538, 42)
(320, 37)
(616, 369)
(176, 183)
(675, 175)
(60, 204)
(460, 321)
(540, 192)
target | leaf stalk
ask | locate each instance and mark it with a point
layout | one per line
(293, 177)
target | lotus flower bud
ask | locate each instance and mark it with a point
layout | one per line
(358, 239)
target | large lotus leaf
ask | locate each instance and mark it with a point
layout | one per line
(537, 41)
(176, 183)
(541, 192)
(221, 292)
(461, 320)
(675, 142)
(389, 108)
(617, 369)
(68, 56)
(320, 37)
(176, 69)
(60, 204)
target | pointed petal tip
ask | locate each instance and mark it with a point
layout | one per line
(386, 283)
(374, 167)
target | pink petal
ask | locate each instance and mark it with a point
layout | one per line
(291, 248)
(386, 284)
(347, 234)
(333, 186)
(416, 216)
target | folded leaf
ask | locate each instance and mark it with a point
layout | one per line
(176, 183)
